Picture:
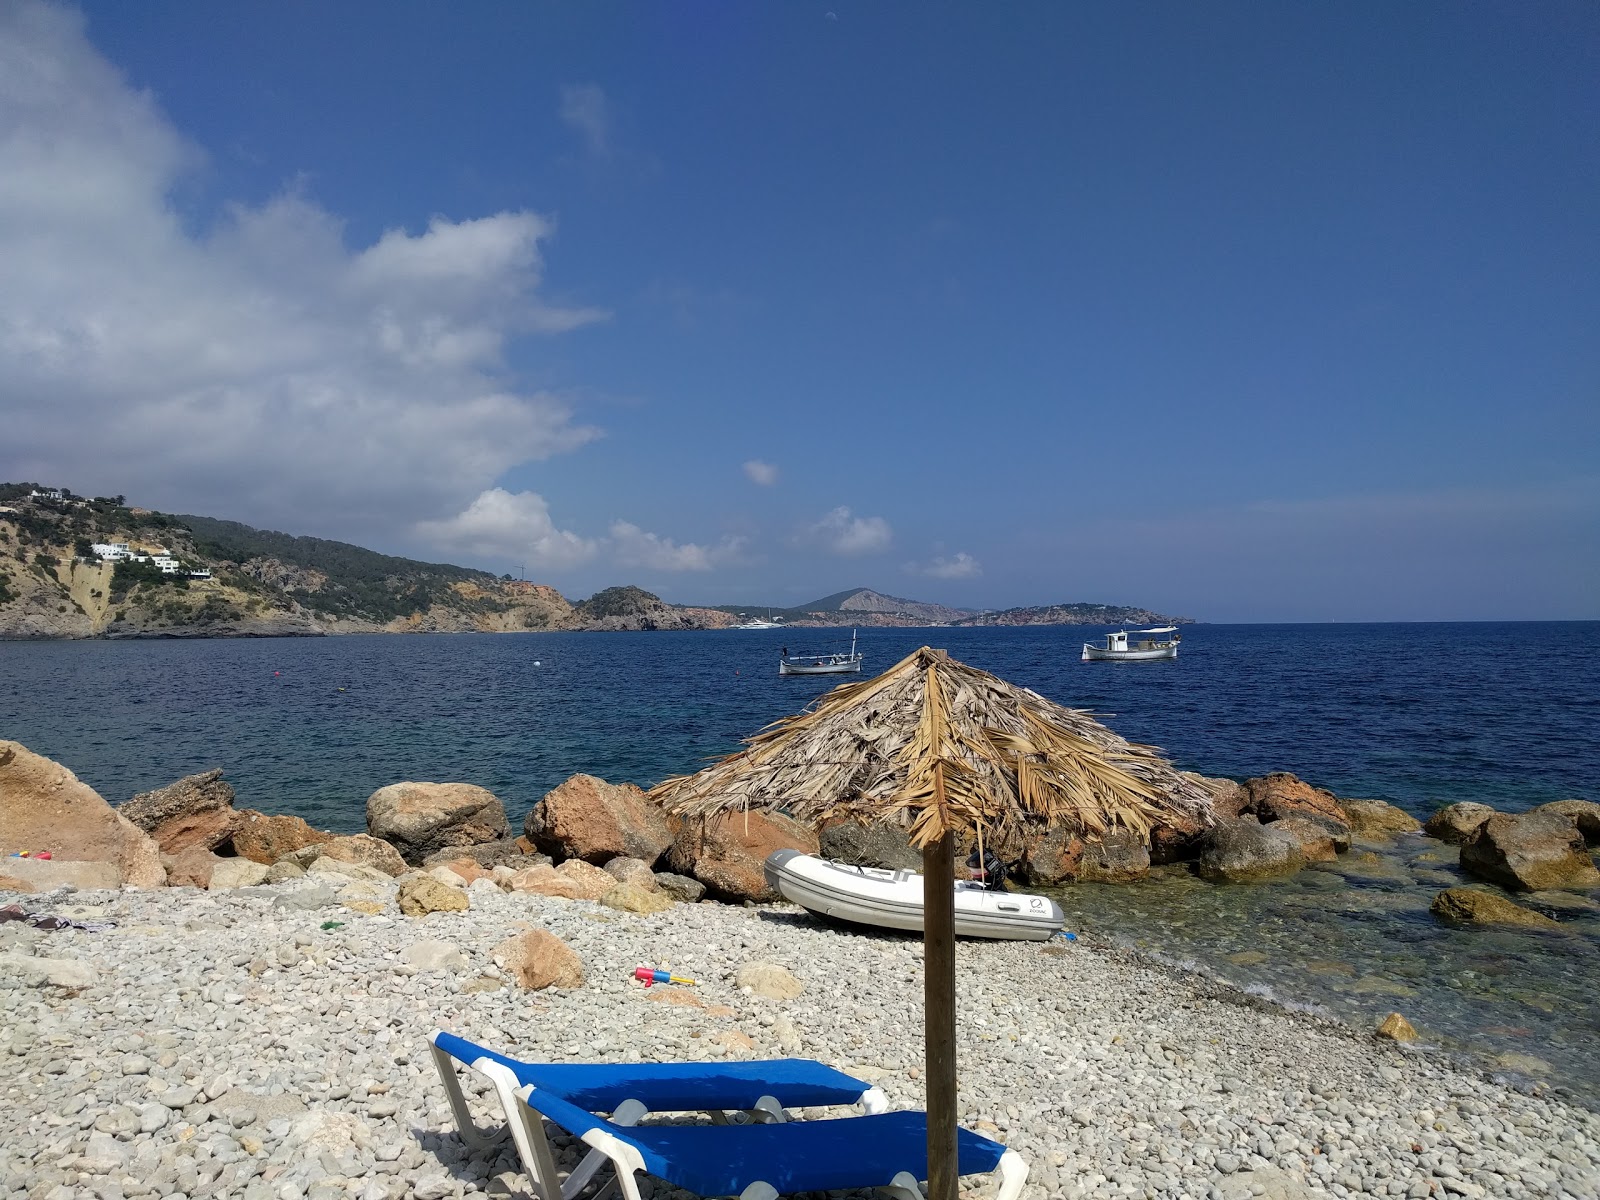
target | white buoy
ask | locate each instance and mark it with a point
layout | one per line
(536, 662)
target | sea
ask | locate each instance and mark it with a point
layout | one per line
(1416, 714)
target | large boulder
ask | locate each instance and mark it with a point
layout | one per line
(1317, 844)
(1529, 852)
(596, 821)
(1378, 818)
(195, 811)
(1054, 858)
(1243, 850)
(875, 845)
(726, 852)
(1116, 856)
(1458, 823)
(1469, 906)
(44, 806)
(1585, 814)
(420, 818)
(508, 852)
(1280, 795)
(265, 839)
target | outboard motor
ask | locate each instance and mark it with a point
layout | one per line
(991, 872)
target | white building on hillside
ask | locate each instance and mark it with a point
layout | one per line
(111, 551)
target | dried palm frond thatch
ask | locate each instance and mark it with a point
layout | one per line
(1004, 760)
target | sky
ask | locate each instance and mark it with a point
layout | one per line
(1242, 312)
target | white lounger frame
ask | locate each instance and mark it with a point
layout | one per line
(528, 1133)
(627, 1162)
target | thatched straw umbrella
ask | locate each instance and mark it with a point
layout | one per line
(951, 750)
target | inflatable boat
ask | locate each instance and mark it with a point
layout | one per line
(893, 899)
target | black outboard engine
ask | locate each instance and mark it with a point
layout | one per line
(991, 872)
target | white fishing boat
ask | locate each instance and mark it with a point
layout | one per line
(821, 664)
(893, 899)
(1135, 645)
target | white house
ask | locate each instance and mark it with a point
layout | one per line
(47, 494)
(200, 573)
(168, 564)
(111, 551)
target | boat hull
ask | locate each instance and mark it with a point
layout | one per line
(849, 667)
(893, 899)
(1101, 654)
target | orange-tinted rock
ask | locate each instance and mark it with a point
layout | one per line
(1281, 795)
(539, 959)
(44, 806)
(726, 853)
(1054, 858)
(195, 811)
(572, 880)
(265, 839)
(191, 867)
(467, 870)
(591, 819)
(418, 819)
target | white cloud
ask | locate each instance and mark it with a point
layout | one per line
(260, 366)
(513, 526)
(841, 533)
(633, 547)
(958, 566)
(584, 108)
(764, 473)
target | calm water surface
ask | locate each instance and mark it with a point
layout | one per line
(1416, 714)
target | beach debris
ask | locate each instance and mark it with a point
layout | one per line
(15, 912)
(651, 976)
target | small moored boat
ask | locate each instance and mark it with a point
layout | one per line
(893, 899)
(1146, 644)
(821, 664)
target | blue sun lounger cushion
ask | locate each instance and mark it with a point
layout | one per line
(761, 1161)
(763, 1089)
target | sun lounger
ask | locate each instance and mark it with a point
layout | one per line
(757, 1161)
(762, 1090)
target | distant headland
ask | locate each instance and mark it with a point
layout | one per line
(96, 567)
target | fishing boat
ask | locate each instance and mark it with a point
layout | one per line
(893, 899)
(821, 664)
(1146, 644)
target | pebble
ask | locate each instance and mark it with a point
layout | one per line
(228, 1045)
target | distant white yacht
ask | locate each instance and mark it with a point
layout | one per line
(759, 623)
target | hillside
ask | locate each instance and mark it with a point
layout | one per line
(229, 580)
(195, 576)
(1074, 614)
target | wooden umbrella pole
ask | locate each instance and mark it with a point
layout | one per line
(939, 1003)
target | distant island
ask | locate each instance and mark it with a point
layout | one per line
(96, 567)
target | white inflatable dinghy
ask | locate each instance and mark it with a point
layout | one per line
(893, 899)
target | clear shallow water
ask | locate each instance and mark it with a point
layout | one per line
(1416, 714)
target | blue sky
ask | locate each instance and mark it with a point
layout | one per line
(1266, 312)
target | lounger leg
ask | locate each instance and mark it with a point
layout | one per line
(527, 1131)
(477, 1138)
(904, 1187)
(873, 1101)
(629, 1112)
(624, 1157)
(1013, 1170)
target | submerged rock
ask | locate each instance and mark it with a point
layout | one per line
(1469, 906)
(1397, 1029)
(1530, 852)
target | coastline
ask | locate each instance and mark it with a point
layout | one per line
(225, 1032)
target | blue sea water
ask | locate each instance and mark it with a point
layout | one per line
(1417, 714)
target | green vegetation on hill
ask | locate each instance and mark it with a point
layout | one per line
(349, 581)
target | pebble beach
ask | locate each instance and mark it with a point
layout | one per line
(235, 1043)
